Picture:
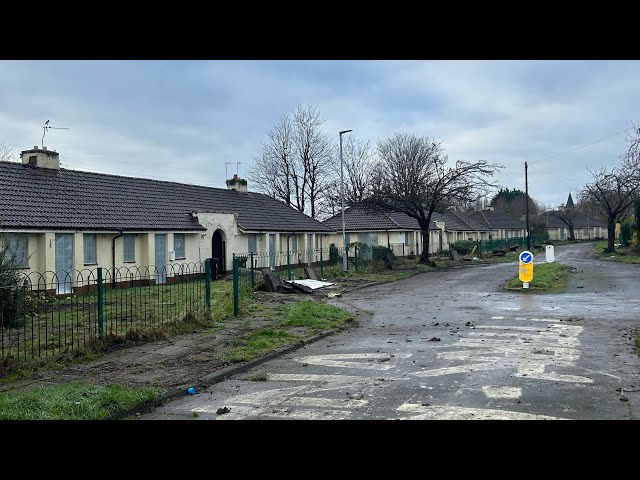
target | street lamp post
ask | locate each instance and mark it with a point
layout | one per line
(344, 235)
(526, 194)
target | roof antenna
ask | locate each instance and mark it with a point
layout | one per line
(237, 164)
(47, 127)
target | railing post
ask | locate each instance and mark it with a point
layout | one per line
(207, 285)
(100, 304)
(402, 249)
(355, 255)
(236, 286)
(321, 265)
(417, 252)
(253, 277)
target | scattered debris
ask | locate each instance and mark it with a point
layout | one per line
(624, 399)
(434, 339)
(580, 286)
(222, 411)
(426, 404)
(308, 286)
(469, 324)
(334, 294)
(356, 396)
(191, 391)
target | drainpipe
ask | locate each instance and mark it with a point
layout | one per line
(113, 257)
(288, 256)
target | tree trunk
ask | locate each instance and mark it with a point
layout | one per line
(611, 231)
(424, 257)
(572, 235)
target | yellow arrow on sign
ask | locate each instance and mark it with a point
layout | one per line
(526, 272)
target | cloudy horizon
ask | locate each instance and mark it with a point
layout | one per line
(191, 121)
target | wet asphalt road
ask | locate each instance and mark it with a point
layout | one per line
(500, 355)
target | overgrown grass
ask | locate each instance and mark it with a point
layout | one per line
(257, 343)
(621, 254)
(317, 316)
(47, 341)
(73, 401)
(547, 278)
(258, 377)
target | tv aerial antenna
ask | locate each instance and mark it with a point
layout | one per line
(50, 127)
(226, 173)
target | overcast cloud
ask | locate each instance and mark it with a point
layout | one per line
(182, 120)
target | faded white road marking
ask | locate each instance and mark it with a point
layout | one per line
(497, 318)
(295, 377)
(502, 392)
(453, 370)
(380, 361)
(537, 371)
(466, 413)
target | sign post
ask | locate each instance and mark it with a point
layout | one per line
(526, 268)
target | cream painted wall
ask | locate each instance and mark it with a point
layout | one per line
(234, 240)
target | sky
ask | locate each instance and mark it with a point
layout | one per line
(184, 120)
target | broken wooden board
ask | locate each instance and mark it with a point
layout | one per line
(389, 261)
(311, 273)
(455, 255)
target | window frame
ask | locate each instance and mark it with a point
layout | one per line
(184, 248)
(85, 236)
(125, 236)
(25, 247)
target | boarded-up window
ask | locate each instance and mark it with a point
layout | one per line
(90, 252)
(17, 251)
(129, 252)
(178, 245)
(253, 242)
(401, 238)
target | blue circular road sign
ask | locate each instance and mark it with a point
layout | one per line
(526, 257)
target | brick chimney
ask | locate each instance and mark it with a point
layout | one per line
(238, 184)
(41, 158)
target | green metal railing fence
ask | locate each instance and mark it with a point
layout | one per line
(49, 313)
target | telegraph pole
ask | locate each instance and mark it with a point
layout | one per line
(526, 192)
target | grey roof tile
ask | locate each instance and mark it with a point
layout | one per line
(39, 198)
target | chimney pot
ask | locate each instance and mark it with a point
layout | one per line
(35, 147)
(44, 148)
(235, 176)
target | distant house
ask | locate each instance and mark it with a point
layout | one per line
(499, 225)
(61, 220)
(401, 232)
(585, 227)
(394, 230)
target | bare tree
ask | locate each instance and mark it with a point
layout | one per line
(275, 168)
(615, 189)
(413, 176)
(568, 216)
(358, 163)
(6, 152)
(314, 151)
(293, 165)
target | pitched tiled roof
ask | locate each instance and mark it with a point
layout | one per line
(358, 217)
(497, 219)
(581, 220)
(42, 198)
(456, 222)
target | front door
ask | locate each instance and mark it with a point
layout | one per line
(161, 257)
(272, 250)
(64, 262)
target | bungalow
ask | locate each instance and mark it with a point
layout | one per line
(585, 227)
(397, 231)
(499, 224)
(401, 232)
(62, 220)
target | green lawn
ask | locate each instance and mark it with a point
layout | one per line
(547, 278)
(621, 254)
(73, 401)
(317, 316)
(257, 343)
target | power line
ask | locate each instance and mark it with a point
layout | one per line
(586, 145)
